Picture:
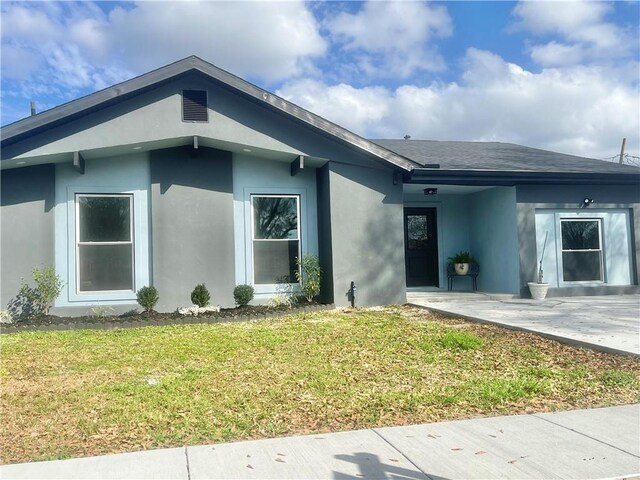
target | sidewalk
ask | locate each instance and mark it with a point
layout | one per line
(597, 443)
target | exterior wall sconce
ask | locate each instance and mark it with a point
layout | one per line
(430, 191)
(586, 202)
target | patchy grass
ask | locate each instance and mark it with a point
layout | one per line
(77, 393)
(459, 340)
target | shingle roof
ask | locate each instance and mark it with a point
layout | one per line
(498, 157)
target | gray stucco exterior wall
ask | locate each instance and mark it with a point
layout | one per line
(192, 225)
(367, 244)
(529, 198)
(27, 222)
(493, 239)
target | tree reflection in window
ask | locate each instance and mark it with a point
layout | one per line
(275, 218)
(104, 219)
(276, 238)
(580, 235)
(416, 231)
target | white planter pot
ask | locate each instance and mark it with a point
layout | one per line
(538, 290)
(461, 268)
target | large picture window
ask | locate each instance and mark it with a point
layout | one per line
(581, 250)
(104, 243)
(276, 238)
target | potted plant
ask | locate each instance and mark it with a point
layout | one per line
(461, 261)
(539, 288)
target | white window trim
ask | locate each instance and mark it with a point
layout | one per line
(141, 247)
(269, 289)
(131, 242)
(253, 239)
(560, 217)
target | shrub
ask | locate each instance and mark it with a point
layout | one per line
(25, 306)
(243, 294)
(5, 317)
(200, 296)
(147, 298)
(34, 302)
(309, 275)
(48, 286)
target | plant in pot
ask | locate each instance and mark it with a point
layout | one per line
(461, 261)
(539, 288)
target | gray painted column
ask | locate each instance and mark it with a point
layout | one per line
(192, 225)
(367, 235)
(27, 216)
(325, 253)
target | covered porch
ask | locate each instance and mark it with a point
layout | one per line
(442, 220)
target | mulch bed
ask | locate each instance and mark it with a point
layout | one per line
(140, 319)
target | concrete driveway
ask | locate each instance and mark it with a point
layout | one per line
(609, 323)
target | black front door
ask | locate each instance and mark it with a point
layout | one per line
(421, 247)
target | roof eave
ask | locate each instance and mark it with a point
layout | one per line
(502, 178)
(19, 130)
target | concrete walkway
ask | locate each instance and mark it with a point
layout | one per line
(597, 443)
(608, 323)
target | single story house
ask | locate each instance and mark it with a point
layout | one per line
(189, 174)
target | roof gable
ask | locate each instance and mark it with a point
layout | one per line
(102, 99)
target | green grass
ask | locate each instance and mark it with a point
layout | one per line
(91, 392)
(459, 340)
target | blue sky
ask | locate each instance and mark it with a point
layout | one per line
(557, 75)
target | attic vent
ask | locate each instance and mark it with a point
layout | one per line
(194, 106)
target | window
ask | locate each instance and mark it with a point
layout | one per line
(581, 250)
(276, 238)
(104, 243)
(416, 232)
(194, 106)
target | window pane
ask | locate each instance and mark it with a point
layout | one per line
(416, 231)
(105, 267)
(105, 219)
(275, 217)
(583, 235)
(581, 266)
(275, 262)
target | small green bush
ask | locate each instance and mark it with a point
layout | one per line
(48, 285)
(243, 294)
(309, 275)
(33, 302)
(147, 298)
(200, 296)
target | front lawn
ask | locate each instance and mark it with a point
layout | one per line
(78, 393)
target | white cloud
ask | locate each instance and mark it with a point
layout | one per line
(270, 40)
(20, 22)
(582, 25)
(362, 109)
(392, 38)
(581, 110)
(82, 47)
(554, 54)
